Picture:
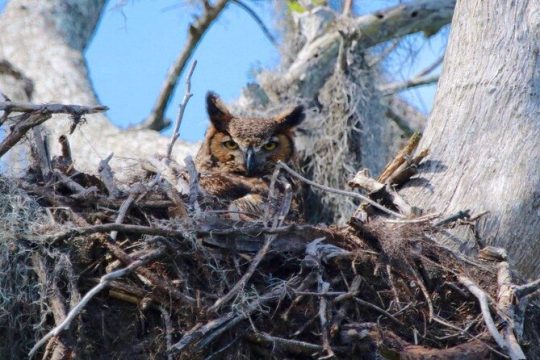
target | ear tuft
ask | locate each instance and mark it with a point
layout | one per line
(291, 118)
(217, 111)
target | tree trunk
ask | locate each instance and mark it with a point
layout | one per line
(484, 130)
(45, 41)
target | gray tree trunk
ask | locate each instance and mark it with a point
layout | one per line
(484, 130)
(45, 42)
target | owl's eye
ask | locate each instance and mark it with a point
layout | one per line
(269, 146)
(231, 145)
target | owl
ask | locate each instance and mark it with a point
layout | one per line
(239, 155)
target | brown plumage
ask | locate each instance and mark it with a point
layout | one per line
(239, 155)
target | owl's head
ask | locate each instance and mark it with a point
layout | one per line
(249, 146)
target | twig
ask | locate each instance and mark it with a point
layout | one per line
(462, 214)
(214, 328)
(194, 189)
(401, 157)
(42, 153)
(340, 192)
(527, 289)
(390, 89)
(323, 286)
(484, 307)
(122, 213)
(156, 281)
(380, 310)
(245, 278)
(419, 79)
(260, 254)
(183, 104)
(106, 175)
(168, 330)
(292, 346)
(258, 20)
(424, 291)
(197, 29)
(104, 281)
(80, 191)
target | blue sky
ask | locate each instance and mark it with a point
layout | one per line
(136, 43)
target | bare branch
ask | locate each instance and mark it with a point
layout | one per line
(340, 192)
(197, 29)
(105, 280)
(187, 96)
(258, 20)
(416, 81)
(27, 122)
(12, 106)
(484, 307)
(427, 16)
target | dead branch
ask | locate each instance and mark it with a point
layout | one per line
(527, 289)
(106, 175)
(105, 280)
(505, 302)
(258, 20)
(25, 123)
(168, 330)
(393, 88)
(147, 230)
(39, 146)
(56, 301)
(484, 307)
(187, 95)
(287, 345)
(340, 192)
(372, 29)
(213, 328)
(197, 29)
(400, 158)
(13, 106)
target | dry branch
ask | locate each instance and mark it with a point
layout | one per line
(187, 95)
(197, 29)
(103, 283)
(25, 123)
(340, 192)
(427, 16)
(13, 106)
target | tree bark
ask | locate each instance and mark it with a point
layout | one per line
(484, 130)
(45, 42)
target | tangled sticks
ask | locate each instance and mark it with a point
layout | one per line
(157, 271)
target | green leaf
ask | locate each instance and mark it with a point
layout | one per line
(294, 6)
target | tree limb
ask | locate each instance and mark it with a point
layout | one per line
(197, 29)
(427, 16)
(258, 20)
(27, 122)
(13, 106)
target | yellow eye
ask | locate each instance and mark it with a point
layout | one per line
(269, 146)
(231, 145)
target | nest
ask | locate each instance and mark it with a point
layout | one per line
(156, 270)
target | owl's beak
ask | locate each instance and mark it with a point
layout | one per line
(250, 161)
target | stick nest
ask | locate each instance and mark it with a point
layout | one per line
(170, 276)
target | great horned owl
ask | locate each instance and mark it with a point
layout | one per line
(239, 155)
